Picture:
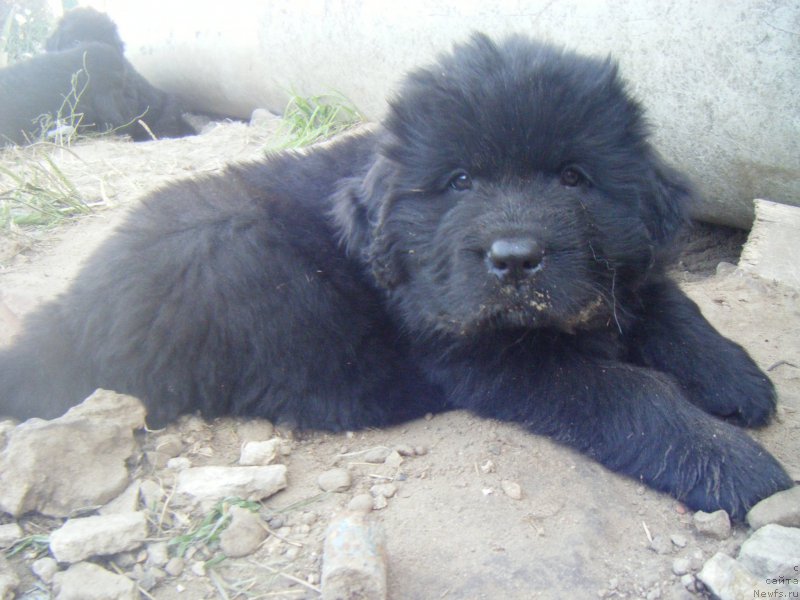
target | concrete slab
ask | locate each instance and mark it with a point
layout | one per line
(772, 250)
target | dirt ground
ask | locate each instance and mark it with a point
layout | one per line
(578, 531)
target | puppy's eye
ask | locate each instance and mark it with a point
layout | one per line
(572, 177)
(460, 181)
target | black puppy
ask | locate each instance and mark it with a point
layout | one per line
(82, 25)
(497, 245)
(88, 84)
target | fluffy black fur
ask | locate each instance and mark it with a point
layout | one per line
(496, 245)
(82, 25)
(100, 84)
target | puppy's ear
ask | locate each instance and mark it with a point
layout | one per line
(360, 206)
(349, 212)
(668, 203)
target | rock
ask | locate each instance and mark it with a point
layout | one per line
(244, 533)
(87, 581)
(511, 489)
(102, 535)
(127, 501)
(45, 569)
(213, 483)
(727, 579)
(174, 566)
(782, 508)
(772, 552)
(57, 467)
(678, 540)
(661, 545)
(8, 579)
(379, 503)
(354, 559)
(696, 560)
(255, 430)
(716, 524)
(405, 450)
(387, 490)
(260, 452)
(157, 554)
(360, 503)
(335, 480)
(151, 493)
(681, 566)
(393, 460)
(9, 533)
(109, 407)
(379, 454)
(169, 444)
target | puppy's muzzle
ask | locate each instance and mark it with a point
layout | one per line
(513, 260)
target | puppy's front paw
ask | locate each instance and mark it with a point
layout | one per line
(742, 395)
(732, 473)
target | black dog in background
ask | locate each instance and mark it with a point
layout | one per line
(497, 245)
(85, 74)
(82, 25)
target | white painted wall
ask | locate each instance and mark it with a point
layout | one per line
(721, 78)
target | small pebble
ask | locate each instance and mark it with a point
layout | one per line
(376, 455)
(335, 480)
(157, 554)
(661, 545)
(716, 524)
(308, 518)
(420, 450)
(257, 453)
(681, 566)
(45, 568)
(696, 560)
(387, 490)
(688, 582)
(174, 566)
(679, 540)
(394, 460)
(198, 568)
(360, 503)
(512, 489)
(379, 503)
(169, 444)
(9, 533)
(405, 450)
(244, 533)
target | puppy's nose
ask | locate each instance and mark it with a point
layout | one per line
(514, 259)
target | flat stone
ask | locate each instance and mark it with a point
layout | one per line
(335, 480)
(214, 483)
(772, 552)
(76, 461)
(87, 581)
(782, 508)
(101, 535)
(727, 579)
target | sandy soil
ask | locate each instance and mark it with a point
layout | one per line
(578, 531)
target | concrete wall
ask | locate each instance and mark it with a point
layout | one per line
(721, 78)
